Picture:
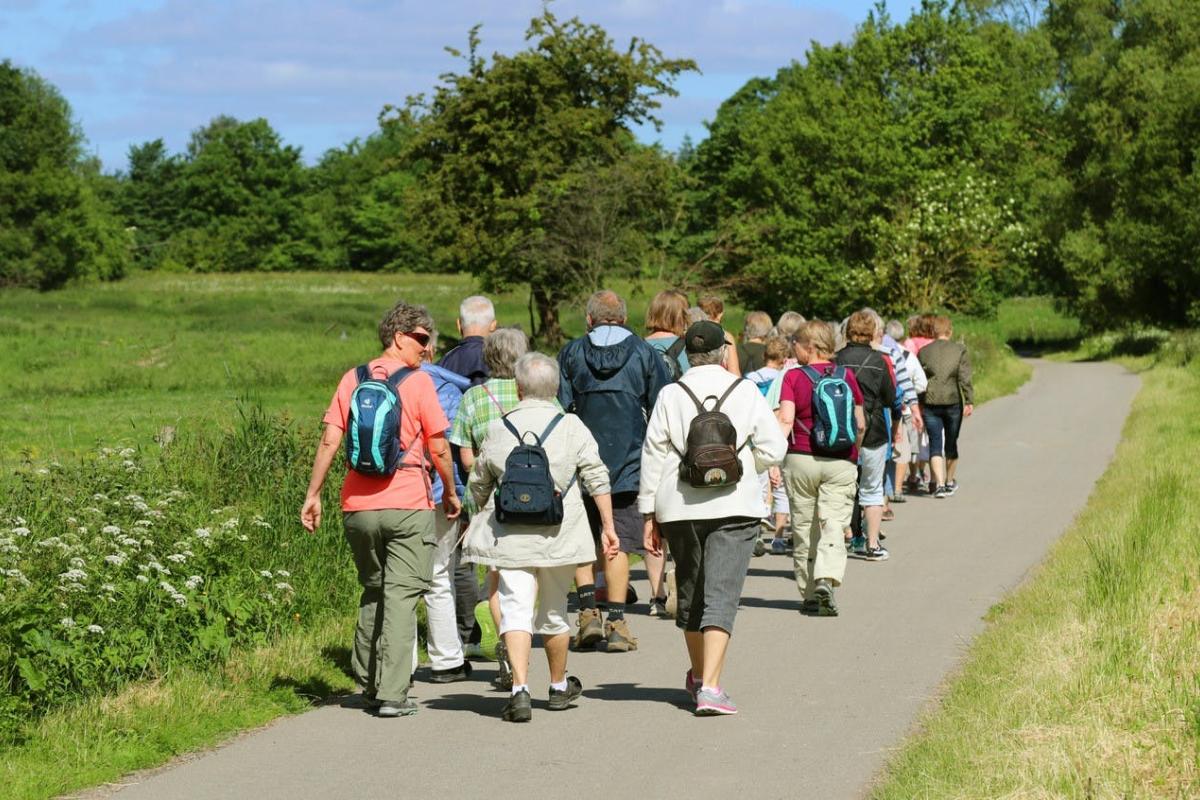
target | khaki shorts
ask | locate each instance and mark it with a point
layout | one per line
(903, 450)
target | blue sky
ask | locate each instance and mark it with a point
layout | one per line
(320, 72)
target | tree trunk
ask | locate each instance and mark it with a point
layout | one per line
(549, 332)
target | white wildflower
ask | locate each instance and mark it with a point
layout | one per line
(20, 530)
(243, 538)
(179, 599)
(140, 506)
(53, 541)
(99, 496)
(283, 573)
(266, 573)
(177, 558)
(18, 521)
(92, 510)
(96, 629)
(168, 588)
(202, 533)
(108, 587)
(16, 575)
(110, 530)
(230, 524)
(67, 622)
(73, 575)
(143, 523)
(193, 582)
(116, 559)
(126, 452)
(284, 587)
(141, 579)
(42, 471)
(72, 521)
(77, 563)
(73, 588)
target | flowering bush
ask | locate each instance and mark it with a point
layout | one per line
(117, 569)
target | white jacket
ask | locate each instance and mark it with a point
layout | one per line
(571, 449)
(671, 499)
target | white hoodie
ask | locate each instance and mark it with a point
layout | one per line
(671, 499)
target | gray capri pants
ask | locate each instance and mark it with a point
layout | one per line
(711, 559)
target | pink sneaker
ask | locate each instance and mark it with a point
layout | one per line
(714, 703)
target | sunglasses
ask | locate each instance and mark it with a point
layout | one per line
(420, 338)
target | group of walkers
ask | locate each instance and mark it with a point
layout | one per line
(686, 448)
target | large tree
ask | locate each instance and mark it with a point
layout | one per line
(53, 225)
(1131, 83)
(853, 177)
(528, 155)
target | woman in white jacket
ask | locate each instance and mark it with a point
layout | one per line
(537, 562)
(711, 530)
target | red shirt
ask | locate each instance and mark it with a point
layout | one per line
(798, 389)
(421, 417)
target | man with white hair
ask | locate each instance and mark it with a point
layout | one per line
(611, 378)
(476, 320)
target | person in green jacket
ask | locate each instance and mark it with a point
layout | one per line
(949, 398)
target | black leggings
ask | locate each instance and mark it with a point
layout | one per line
(941, 420)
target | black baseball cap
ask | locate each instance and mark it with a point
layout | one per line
(703, 337)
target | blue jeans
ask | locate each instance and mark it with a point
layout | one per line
(943, 421)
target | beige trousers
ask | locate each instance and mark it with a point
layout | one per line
(821, 494)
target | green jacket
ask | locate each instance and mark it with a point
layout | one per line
(949, 372)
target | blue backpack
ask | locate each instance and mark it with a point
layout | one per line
(834, 429)
(527, 493)
(373, 423)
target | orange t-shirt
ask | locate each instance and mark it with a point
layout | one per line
(421, 417)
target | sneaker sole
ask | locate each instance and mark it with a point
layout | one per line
(523, 715)
(715, 711)
(561, 703)
(390, 713)
(825, 604)
(621, 646)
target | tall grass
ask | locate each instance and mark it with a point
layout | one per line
(1087, 683)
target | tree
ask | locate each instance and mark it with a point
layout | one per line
(53, 225)
(504, 143)
(241, 201)
(150, 198)
(1130, 238)
(803, 174)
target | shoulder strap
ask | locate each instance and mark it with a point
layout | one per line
(494, 400)
(512, 429)
(691, 394)
(676, 347)
(811, 373)
(398, 377)
(729, 391)
(363, 373)
(550, 428)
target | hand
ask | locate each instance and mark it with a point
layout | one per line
(451, 505)
(609, 542)
(310, 514)
(968, 409)
(652, 538)
(919, 423)
(775, 477)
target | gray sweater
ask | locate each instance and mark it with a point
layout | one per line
(949, 373)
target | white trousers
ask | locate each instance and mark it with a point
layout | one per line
(445, 648)
(545, 587)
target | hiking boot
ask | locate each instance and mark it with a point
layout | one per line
(877, 553)
(519, 708)
(692, 685)
(760, 549)
(672, 604)
(810, 607)
(459, 673)
(940, 493)
(658, 607)
(590, 629)
(823, 597)
(369, 700)
(714, 704)
(620, 640)
(899, 498)
(397, 708)
(503, 679)
(560, 701)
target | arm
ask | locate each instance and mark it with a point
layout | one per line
(608, 531)
(566, 393)
(467, 456)
(786, 416)
(310, 513)
(655, 449)
(769, 442)
(964, 384)
(861, 420)
(439, 451)
(731, 363)
(482, 482)
(594, 477)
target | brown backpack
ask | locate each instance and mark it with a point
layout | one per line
(711, 458)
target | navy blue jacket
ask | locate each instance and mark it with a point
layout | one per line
(466, 358)
(613, 388)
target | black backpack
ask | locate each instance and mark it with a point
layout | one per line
(711, 458)
(670, 358)
(526, 494)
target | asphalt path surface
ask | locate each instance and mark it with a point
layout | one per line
(823, 700)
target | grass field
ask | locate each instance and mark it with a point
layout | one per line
(1087, 682)
(112, 365)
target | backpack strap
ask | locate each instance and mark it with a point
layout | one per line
(729, 391)
(494, 400)
(513, 430)
(363, 373)
(676, 348)
(699, 405)
(399, 376)
(550, 428)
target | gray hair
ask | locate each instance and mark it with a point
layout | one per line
(875, 316)
(403, 318)
(704, 359)
(502, 349)
(757, 325)
(606, 307)
(476, 312)
(839, 334)
(895, 329)
(789, 323)
(696, 314)
(537, 376)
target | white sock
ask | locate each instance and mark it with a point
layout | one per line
(711, 689)
(524, 687)
(561, 686)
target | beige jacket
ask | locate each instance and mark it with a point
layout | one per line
(570, 449)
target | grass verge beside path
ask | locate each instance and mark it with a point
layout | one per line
(1087, 682)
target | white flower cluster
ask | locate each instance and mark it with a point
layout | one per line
(194, 582)
(177, 596)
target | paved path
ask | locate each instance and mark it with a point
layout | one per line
(822, 700)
